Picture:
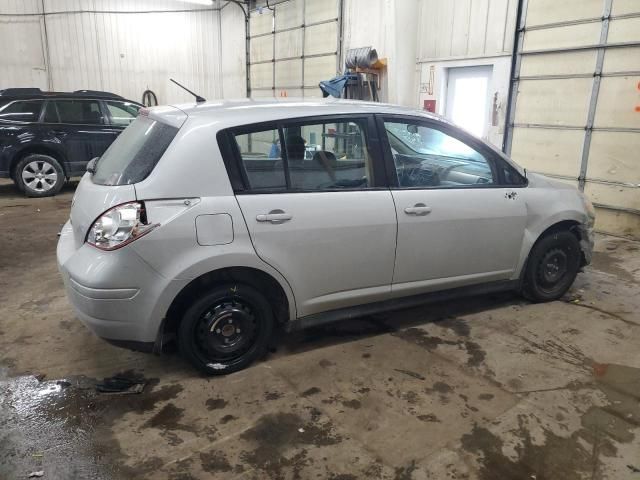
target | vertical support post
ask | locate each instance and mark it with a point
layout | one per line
(304, 31)
(516, 61)
(273, 64)
(595, 91)
(220, 82)
(45, 47)
(247, 47)
(339, 53)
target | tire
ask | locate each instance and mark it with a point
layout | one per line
(218, 348)
(39, 175)
(552, 267)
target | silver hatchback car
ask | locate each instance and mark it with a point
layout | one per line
(216, 223)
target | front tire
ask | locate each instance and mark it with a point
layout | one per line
(226, 329)
(552, 267)
(39, 175)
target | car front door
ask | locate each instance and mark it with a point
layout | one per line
(80, 125)
(317, 208)
(459, 223)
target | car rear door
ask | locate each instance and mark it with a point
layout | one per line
(317, 209)
(459, 223)
(81, 126)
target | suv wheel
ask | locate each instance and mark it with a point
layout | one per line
(39, 175)
(226, 329)
(552, 267)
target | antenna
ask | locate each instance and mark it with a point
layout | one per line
(199, 99)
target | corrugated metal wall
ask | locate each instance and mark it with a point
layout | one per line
(576, 103)
(466, 28)
(117, 48)
(464, 33)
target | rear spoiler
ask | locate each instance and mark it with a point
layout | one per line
(166, 114)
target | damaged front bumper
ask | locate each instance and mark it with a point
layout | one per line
(586, 242)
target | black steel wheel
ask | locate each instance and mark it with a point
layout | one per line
(226, 329)
(552, 267)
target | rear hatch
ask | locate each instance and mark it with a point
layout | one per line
(130, 159)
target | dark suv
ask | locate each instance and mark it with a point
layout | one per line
(47, 137)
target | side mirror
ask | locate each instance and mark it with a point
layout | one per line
(91, 166)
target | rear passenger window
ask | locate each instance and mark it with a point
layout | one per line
(74, 111)
(325, 156)
(27, 111)
(122, 113)
(311, 157)
(262, 159)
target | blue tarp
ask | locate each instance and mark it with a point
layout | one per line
(335, 86)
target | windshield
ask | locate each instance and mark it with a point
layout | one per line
(135, 153)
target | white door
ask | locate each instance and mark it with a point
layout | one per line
(458, 221)
(315, 215)
(468, 100)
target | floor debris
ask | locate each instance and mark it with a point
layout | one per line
(120, 386)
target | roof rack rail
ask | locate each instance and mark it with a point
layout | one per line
(21, 91)
(97, 93)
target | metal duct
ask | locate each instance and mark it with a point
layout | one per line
(364, 57)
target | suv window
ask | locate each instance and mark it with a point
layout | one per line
(122, 113)
(427, 157)
(135, 153)
(21, 111)
(74, 111)
(317, 156)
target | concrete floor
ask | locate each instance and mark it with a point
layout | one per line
(481, 388)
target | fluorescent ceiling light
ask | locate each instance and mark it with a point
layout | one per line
(200, 2)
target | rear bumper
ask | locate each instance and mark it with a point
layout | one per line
(116, 294)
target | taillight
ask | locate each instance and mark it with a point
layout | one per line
(119, 226)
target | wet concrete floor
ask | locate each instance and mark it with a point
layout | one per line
(481, 388)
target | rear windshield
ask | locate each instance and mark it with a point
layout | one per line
(135, 153)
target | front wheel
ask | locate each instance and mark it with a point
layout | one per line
(226, 329)
(39, 175)
(553, 265)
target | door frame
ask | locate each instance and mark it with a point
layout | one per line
(448, 94)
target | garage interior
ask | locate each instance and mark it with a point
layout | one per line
(487, 387)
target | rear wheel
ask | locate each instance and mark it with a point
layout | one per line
(39, 175)
(226, 329)
(552, 267)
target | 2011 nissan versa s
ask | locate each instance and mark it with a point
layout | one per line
(214, 223)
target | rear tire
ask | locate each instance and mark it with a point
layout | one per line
(39, 175)
(552, 267)
(226, 329)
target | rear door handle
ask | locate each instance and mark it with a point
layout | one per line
(274, 216)
(419, 209)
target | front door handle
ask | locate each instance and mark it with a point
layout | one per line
(419, 209)
(274, 216)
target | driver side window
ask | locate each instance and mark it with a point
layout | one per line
(427, 157)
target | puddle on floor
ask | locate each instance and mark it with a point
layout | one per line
(63, 426)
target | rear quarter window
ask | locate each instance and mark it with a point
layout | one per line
(135, 153)
(21, 111)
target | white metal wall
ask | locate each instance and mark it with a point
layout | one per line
(576, 102)
(117, 48)
(460, 33)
